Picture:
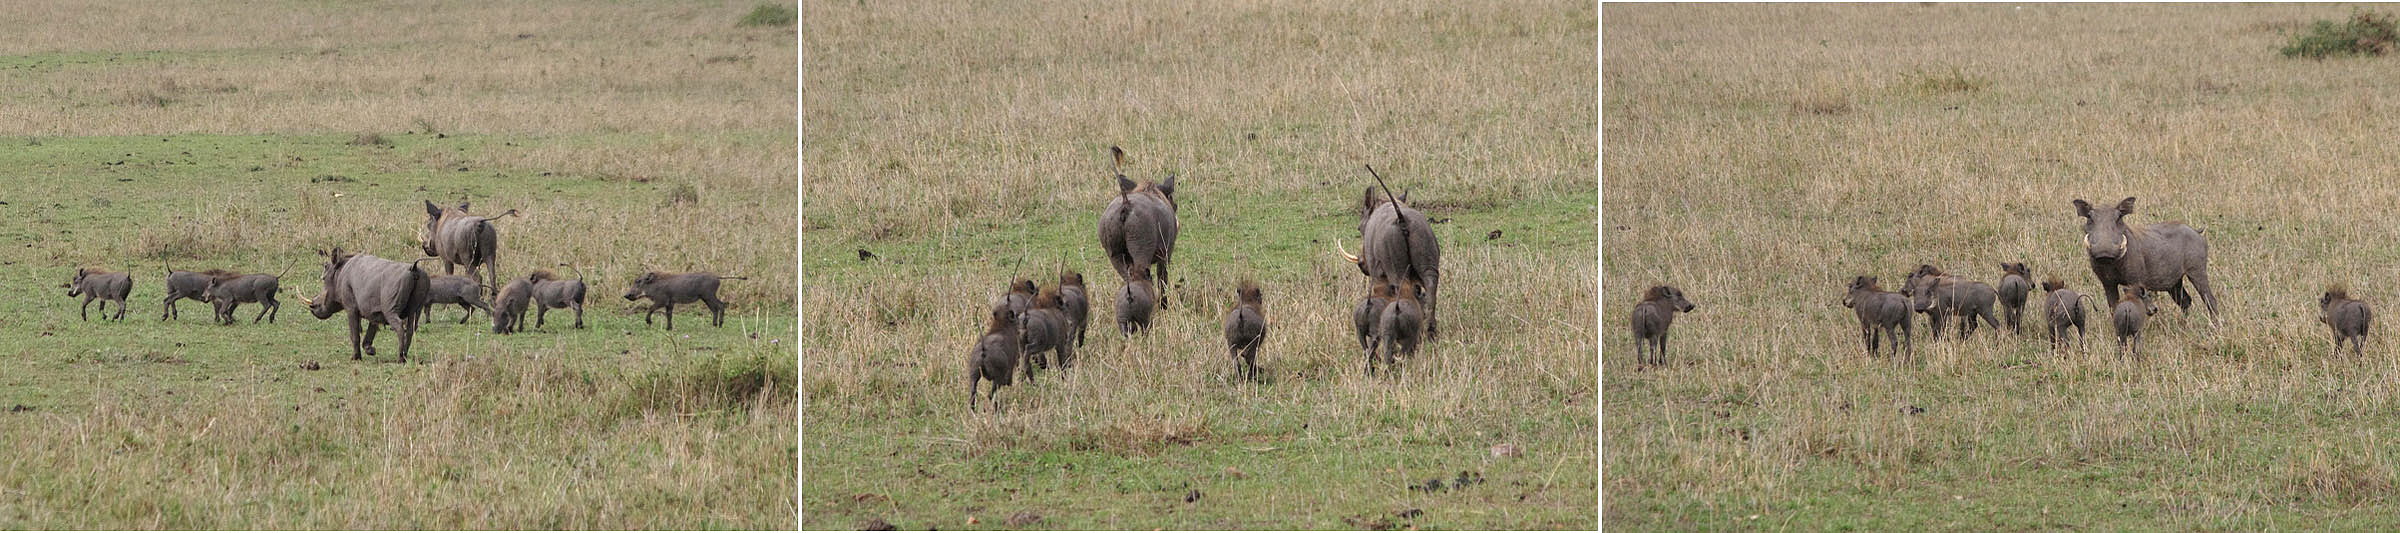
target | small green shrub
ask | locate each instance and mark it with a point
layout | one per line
(1954, 81)
(770, 15)
(2367, 33)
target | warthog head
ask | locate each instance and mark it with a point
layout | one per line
(2104, 233)
(1669, 296)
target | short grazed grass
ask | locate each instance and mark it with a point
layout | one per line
(1772, 416)
(216, 141)
(960, 145)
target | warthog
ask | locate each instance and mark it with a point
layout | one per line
(1135, 304)
(1370, 312)
(2348, 318)
(508, 311)
(463, 239)
(98, 284)
(1941, 296)
(994, 357)
(2015, 282)
(2160, 256)
(462, 290)
(1651, 318)
(229, 290)
(2130, 314)
(1138, 227)
(1018, 298)
(185, 284)
(1246, 328)
(549, 293)
(1397, 242)
(665, 290)
(1888, 311)
(2065, 310)
(380, 291)
(1073, 299)
(1399, 327)
(1045, 328)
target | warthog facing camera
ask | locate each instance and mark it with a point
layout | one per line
(380, 291)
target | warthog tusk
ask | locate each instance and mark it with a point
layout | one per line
(1337, 245)
(307, 300)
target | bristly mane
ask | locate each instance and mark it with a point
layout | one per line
(1048, 299)
(1249, 293)
(1656, 292)
(542, 275)
(2337, 292)
(2052, 284)
(998, 323)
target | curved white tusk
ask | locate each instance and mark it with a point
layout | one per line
(1337, 245)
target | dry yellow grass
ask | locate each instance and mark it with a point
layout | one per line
(1970, 128)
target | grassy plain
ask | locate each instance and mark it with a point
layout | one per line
(1759, 156)
(963, 144)
(633, 137)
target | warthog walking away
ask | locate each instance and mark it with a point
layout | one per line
(1077, 302)
(1651, 318)
(1397, 242)
(97, 284)
(1878, 309)
(2129, 315)
(1019, 297)
(1941, 296)
(462, 290)
(2348, 318)
(1246, 328)
(994, 357)
(229, 290)
(1399, 327)
(549, 293)
(2015, 282)
(665, 290)
(2160, 256)
(1138, 227)
(1370, 312)
(508, 311)
(1045, 328)
(2065, 309)
(1135, 304)
(379, 291)
(183, 284)
(463, 239)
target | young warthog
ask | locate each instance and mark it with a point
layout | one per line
(1941, 296)
(1370, 312)
(2348, 318)
(1879, 309)
(2130, 314)
(463, 239)
(1397, 242)
(371, 288)
(665, 290)
(1246, 328)
(462, 290)
(994, 357)
(549, 293)
(1399, 327)
(2065, 309)
(1045, 328)
(2160, 256)
(508, 311)
(1138, 227)
(1018, 298)
(1651, 318)
(97, 284)
(2015, 282)
(183, 284)
(1073, 299)
(1135, 303)
(229, 290)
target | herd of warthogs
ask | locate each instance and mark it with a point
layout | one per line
(401, 295)
(1398, 254)
(2138, 260)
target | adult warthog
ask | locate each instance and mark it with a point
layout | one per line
(1398, 244)
(1138, 227)
(459, 238)
(383, 292)
(2159, 256)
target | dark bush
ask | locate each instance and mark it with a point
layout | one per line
(2367, 33)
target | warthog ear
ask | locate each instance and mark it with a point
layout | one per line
(432, 210)
(2125, 207)
(1167, 186)
(1124, 185)
(2082, 208)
